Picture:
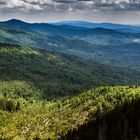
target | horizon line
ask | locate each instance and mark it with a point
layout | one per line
(67, 21)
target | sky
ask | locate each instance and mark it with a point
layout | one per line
(115, 11)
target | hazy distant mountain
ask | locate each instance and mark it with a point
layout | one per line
(103, 45)
(66, 26)
(96, 25)
(96, 35)
(14, 23)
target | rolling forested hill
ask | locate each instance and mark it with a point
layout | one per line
(58, 75)
(68, 83)
(105, 46)
(90, 115)
(29, 77)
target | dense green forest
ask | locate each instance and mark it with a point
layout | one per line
(121, 123)
(105, 46)
(23, 116)
(59, 75)
(33, 82)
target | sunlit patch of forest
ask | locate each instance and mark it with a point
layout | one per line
(25, 116)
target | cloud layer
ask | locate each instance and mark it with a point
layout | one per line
(70, 5)
(116, 11)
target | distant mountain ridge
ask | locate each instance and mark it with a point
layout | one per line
(71, 25)
(86, 24)
(117, 47)
(63, 30)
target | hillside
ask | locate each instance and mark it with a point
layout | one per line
(71, 31)
(57, 74)
(37, 119)
(33, 82)
(119, 123)
(63, 82)
(101, 45)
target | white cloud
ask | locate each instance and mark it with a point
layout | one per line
(71, 4)
(20, 4)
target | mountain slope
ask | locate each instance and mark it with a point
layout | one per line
(119, 123)
(38, 119)
(58, 75)
(106, 46)
(68, 83)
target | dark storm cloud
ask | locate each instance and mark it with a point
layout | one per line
(2, 2)
(65, 1)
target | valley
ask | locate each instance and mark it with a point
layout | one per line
(102, 45)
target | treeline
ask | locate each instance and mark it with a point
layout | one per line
(121, 123)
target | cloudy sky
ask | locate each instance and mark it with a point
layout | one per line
(117, 11)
